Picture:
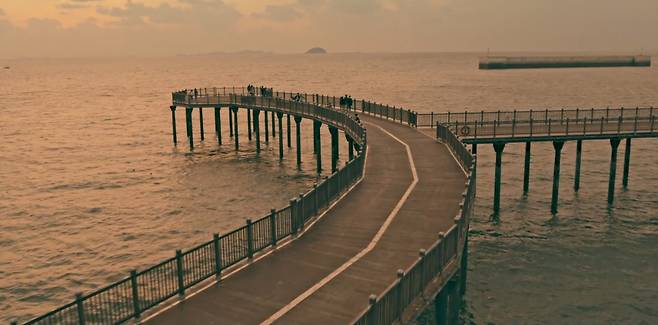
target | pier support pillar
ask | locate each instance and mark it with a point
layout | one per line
(627, 163)
(454, 300)
(188, 124)
(579, 153)
(474, 151)
(463, 268)
(257, 129)
(318, 145)
(230, 121)
(173, 123)
(526, 169)
(441, 307)
(279, 115)
(614, 143)
(203, 136)
(235, 127)
(288, 129)
(249, 123)
(334, 148)
(218, 124)
(498, 147)
(350, 147)
(273, 126)
(298, 136)
(557, 145)
(265, 126)
(316, 131)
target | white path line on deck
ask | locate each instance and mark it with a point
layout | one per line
(366, 250)
(274, 249)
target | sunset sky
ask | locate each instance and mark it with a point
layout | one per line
(74, 28)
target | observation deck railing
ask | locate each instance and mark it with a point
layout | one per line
(143, 290)
(208, 97)
(575, 123)
(440, 257)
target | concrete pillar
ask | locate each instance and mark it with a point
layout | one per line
(614, 143)
(579, 152)
(526, 169)
(230, 121)
(188, 124)
(256, 113)
(265, 125)
(279, 115)
(298, 136)
(498, 147)
(474, 150)
(350, 147)
(273, 126)
(463, 268)
(235, 127)
(454, 301)
(315, 138)
(203, 137)
(441, 306)
(557, 145)
(249, 123)
(627, 163)
(318, 145)
(288, 129)
(173, 123)
(334, 148)
(218, 124)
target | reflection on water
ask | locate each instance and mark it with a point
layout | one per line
(91, 186)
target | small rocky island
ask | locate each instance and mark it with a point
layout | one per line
(316, 50)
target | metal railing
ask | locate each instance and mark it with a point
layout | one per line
(209, 96)
(142, 290)
(412, 282)
(525, 124)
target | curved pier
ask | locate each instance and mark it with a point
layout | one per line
(367, 245)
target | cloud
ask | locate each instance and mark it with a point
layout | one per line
(2, 13)
(279, 13)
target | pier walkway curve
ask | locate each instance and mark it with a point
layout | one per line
(411, 191)
(373, 243)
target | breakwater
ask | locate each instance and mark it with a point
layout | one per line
(524, 62)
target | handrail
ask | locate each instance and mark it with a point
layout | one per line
(129, 297)
(207, 96)
(552, 123)
(441, 255)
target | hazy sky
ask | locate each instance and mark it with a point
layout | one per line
(64, 28)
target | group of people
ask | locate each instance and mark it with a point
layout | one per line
(298, 98)
(264, 91)
(346, 101)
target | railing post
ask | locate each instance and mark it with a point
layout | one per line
(301, 213)
(315, 199)
(135, 292)
(179, 273)
(421, 255)
(218, 255)
(400, 306)
(250, 239)
(372, 313)
(79, 302)
(293, 216)
(273, 226)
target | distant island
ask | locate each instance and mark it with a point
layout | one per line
(316, 50)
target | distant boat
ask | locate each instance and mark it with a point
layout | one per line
(7, 68)
(316, 50)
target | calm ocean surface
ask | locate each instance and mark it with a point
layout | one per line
(92, 187)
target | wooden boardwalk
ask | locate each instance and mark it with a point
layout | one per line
(411, 191)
